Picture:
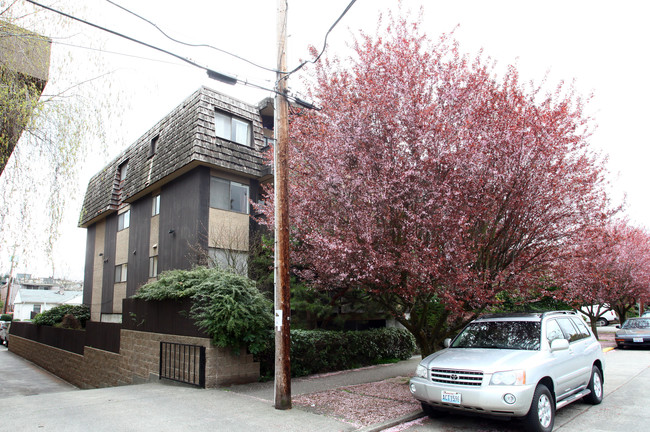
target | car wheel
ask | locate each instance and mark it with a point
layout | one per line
(541, 416)
(596, 387)
(432, 412)
(602, 322)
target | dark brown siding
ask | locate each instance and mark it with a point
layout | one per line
(90, 262)
(108, 281)
(138, 270)
(184, 212)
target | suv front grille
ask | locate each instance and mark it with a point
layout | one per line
(459, 377)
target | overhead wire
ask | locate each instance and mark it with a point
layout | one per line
(201, 45)
(301, 65)
(211, 73)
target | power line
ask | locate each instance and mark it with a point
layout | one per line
(301, 65)
(211, 73)
(191, 44)
(114, 52)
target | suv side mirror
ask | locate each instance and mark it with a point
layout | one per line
(559, 344)
(447, 342)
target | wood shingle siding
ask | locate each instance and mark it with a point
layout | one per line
(186, 138)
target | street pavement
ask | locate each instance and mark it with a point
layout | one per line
(20, 377)
(160, 407)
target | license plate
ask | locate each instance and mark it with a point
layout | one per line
(637, 340)
(451, 397)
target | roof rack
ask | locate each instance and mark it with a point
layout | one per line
(562, 312)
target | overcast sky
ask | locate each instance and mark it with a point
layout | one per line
(601, 45)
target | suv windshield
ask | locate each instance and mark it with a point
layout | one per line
(520, 335)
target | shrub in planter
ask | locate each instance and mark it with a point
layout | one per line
(55, 315)
(227, 306)
(6, 317)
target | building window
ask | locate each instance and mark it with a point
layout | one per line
(152, 148)
(155, 205)
(123, 220)
(120, 273)
(232, 128)
(228, 195)
(37, 308)
(123, 169)
(153, 266)
(229, 259)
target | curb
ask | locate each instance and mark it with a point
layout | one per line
(394, 422)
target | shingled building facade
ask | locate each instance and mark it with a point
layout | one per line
(180, 190)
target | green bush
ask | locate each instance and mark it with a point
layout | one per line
(6, 317)
(55, 315)
(318, 351)
(227, 306)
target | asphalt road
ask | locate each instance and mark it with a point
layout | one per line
(19, 377)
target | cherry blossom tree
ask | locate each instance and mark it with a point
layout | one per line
(609, 265)
(432, 182)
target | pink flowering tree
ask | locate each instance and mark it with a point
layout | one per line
(609, 265)
(432, 183)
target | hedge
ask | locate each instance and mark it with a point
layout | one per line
(55, 315)
(318, 351)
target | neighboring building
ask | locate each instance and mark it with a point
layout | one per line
(25, 281)
(176, 196)
(24, 69)
(29, 302)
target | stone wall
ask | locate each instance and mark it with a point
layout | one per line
(138, 361)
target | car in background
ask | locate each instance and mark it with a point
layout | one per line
(646, 314)
(606, 318)
(524, 365)
(634, 332)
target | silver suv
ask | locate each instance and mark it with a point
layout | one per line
(523, 365)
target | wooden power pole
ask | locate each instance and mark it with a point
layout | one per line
(282, 289)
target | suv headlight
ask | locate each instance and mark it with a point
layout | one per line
(508, 378)
(421, 371)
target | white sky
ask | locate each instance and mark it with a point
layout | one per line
(602, 45)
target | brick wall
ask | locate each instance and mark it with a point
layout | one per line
(138, 361)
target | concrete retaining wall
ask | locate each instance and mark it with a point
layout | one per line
(137, 361)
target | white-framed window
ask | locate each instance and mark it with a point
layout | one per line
(228, 195)
(37, 308)
(153, 266)
(124, 220)
(155, 205)
(120, 273)
(232, 128)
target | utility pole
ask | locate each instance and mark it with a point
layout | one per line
(282, 289)
(11, 276)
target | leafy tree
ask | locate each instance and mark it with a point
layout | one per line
(609, 265)
(227, 306)
(432, 182)
(57, 130)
